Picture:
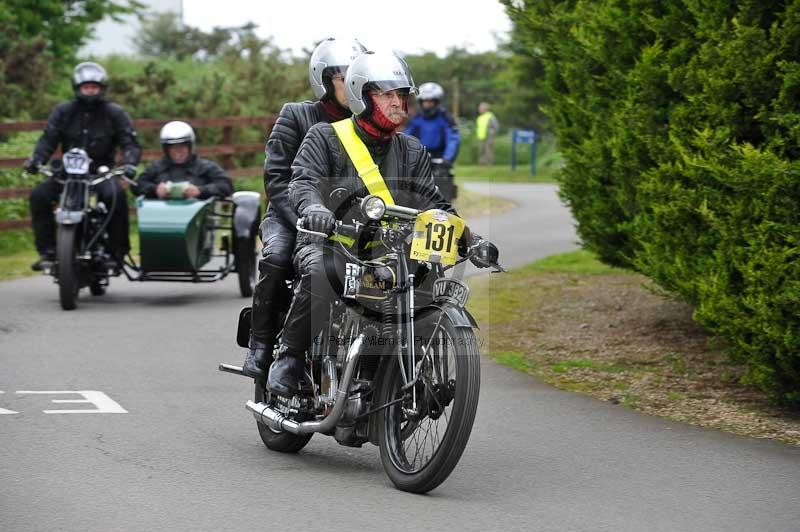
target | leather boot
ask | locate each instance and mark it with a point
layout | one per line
(257, 360)
(47, 257)
(286, 372)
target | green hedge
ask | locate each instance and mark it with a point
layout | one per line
(680, 125)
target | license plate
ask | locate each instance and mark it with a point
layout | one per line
(436, 235)
(450, 291)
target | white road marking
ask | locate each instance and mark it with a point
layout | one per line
(5, 411)
(104, 404)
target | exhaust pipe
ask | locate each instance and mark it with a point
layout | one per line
(267, 415)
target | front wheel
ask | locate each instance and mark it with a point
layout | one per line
(283, 442)
(422, 436)
(66, 255)
(245, 257)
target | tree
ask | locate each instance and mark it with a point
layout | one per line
(39, 42)
(165, 36)
(497, 77)
(680, 124)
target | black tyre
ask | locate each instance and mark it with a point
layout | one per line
(283, 442)
(246, 268)
(66, 256)
(96, 288)
(419, 451)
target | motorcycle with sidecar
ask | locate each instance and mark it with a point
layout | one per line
(185, 240)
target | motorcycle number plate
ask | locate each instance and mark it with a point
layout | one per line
(76, 162)
(436, 235)
(450, 291)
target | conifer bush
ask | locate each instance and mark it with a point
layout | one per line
(679, 123)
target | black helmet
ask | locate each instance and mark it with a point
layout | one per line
(89, 72)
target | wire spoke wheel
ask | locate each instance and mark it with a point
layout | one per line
(423, 436)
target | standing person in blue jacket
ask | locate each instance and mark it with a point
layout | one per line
(436, 130)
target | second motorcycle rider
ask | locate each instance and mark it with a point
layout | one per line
(326, 70)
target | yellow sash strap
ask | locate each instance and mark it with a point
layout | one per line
(359, 155)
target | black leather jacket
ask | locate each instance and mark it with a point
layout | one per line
(322, 165)
(206, 175)
(98, 129)
(294, 121)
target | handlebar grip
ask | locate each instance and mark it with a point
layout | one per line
(349, 230)
(301, 229)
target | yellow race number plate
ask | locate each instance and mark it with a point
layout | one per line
(436, 235)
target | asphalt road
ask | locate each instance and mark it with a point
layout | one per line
(185, 455)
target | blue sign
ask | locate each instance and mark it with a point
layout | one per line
(523, 136)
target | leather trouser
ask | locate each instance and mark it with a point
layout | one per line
(47, 193)
(312, 296)
(270, 295)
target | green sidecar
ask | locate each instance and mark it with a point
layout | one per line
(198, 241)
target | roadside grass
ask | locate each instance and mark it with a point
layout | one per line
(580, 262)
(588, 328)
(503, 174)
(17, 253)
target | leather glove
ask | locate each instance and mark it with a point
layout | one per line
(319, 218)
(129, 171)
(486, 255)
(466, 241)
(31, 166)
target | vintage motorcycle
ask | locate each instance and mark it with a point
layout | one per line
(83, 250)
(396, 362)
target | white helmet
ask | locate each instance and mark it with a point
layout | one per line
(331, 56)
(177, 132)
(383, 71)
(430, 91)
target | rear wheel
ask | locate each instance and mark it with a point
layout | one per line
(283, 442)
(96, 288)
(421, 446)
(66, 255)
(245, 257)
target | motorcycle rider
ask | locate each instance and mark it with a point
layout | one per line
(329, 62)
(92, 123)
(434, 126)
(377, 87)
(206, 178)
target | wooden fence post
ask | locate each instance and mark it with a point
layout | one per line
(227, 139)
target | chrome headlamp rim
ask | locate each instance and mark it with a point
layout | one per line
(373, 207)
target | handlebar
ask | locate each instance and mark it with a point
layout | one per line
(338, 227)
(102, 174)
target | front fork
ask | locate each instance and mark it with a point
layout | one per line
(73, 209)
(407, 354)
